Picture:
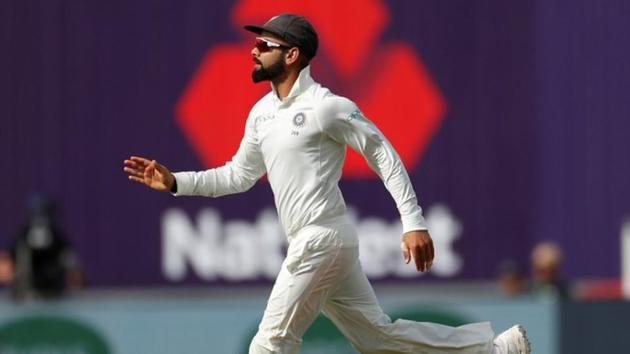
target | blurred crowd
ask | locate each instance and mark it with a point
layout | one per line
(545, 279)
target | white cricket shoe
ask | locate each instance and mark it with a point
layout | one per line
(512, 341)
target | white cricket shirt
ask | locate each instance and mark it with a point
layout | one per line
(300, 142)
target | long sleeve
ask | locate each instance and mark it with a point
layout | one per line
(343, 121)
(236, 176)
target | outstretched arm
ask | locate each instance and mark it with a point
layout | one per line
(343, 122)
(150, 173)
(237, 175)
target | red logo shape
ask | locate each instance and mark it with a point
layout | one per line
(386, 80)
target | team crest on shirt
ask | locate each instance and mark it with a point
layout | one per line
(299, 120)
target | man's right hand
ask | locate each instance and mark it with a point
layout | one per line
(150, 173)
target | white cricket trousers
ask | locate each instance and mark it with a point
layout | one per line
(322, 273)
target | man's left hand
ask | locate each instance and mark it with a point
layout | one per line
(419, 245)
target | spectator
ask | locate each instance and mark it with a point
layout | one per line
(6, 268)
(546, 260)
(40, 262)
(511, 280)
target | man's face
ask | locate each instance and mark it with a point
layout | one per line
(268, 57)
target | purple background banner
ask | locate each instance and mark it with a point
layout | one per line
(534, 145)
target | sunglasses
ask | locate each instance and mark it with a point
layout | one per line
(265, 45)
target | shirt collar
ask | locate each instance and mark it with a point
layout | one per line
(303, 82)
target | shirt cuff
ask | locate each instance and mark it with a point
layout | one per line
(184, 182)
(413, 222)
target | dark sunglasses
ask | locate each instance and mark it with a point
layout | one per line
(265, 45)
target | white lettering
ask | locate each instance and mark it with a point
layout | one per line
(181, 241)
(241, 250)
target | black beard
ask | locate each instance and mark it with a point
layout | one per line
(269, 74)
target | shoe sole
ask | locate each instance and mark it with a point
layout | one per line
(525, 344)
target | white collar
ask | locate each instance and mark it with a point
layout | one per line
(303, 82)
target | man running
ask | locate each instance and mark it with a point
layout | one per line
(297, 135)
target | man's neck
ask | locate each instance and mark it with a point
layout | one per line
(284, 84)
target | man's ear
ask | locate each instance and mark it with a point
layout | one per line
(292, 55)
